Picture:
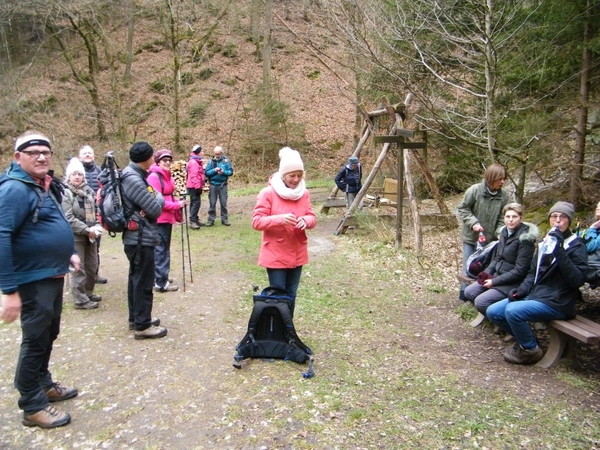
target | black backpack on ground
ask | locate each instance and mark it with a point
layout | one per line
(271, 332)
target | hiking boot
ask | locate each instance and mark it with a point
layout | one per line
(49, 417)
(169, 287)
(101, 280)
(95, 298)
(194, 225)
(58, 393)
(154, 323)
(518, 355)
(152, 332)
(86, 305)
(210, 223)
(226, 223)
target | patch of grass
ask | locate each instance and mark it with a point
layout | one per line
(466, 311)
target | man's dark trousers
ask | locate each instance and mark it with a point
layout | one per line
(40, 324)
(140, 285)
(217, 192)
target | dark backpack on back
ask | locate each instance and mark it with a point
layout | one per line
(271, 332)
(111, 212)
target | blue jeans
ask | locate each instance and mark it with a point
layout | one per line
(162, 255)
(214, 193)
(42, 303)
(288, 280)
(513, 317)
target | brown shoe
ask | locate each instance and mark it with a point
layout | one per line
(518, 355)
(49, 417)
(152, 332)
(58, 393)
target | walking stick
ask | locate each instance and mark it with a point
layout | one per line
(183, 256)
(187, 233)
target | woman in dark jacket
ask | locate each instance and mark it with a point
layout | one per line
(549, 291)
(511, 263)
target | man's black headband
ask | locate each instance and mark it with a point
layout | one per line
(32, 142)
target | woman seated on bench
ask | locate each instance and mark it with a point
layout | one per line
(511, 262)
(549, 291)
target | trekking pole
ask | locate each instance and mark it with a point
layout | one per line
(187, 233)
(183, 257)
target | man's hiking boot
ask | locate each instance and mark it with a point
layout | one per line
(152, 332)
(154, 323)
(194, 225)
(168, 287)
(226, 223)
(95, 298)
(58, 393)
(49, 417)
(518, 355)
(101, 280)
(86, 305)
(210, 223)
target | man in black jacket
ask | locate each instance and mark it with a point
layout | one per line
(549, 291)
(139, 240)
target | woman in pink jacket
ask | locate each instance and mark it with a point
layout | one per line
(160, 179)
(283, 213)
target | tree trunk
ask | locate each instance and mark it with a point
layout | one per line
(582, 114)
(129, 51)
(267, 87)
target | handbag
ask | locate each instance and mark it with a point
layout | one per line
(480, 259)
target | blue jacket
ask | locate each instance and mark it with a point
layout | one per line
(348, 180)
(36, 241)
(217, 179)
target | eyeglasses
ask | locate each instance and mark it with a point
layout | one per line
(36, 153)
(558, 216)
(166, 160)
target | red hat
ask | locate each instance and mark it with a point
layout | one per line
(163, 153)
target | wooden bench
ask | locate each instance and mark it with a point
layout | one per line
(563, 335)
(480, 317)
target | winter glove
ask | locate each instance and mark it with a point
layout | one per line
(516, 294)
(483, 276)
(560, 240)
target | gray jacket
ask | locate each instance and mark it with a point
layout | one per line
(138, 196)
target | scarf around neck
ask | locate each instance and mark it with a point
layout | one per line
(285, 192)
(88, 202)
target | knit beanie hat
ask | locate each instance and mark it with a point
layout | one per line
(196, 149)
(162, 154)
(563, 207)
(28, 140)
(290, 161)
(140, 152)
(74, 166)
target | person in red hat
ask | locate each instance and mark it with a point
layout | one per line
(160, 179)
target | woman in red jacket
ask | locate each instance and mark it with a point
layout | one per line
(283, 213)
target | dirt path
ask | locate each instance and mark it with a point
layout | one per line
(181, 392)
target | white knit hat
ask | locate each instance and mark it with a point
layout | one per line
(290, 161)
(74, 166)
(27, 140)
